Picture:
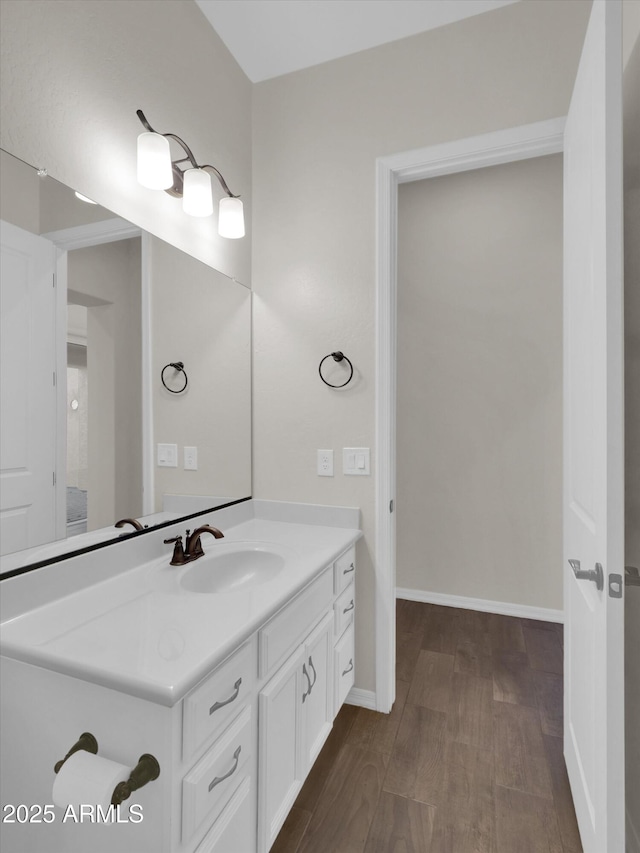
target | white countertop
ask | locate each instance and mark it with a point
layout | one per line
(142, 633)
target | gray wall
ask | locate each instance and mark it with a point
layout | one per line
(479, 478)
(203, 319)
(316, 136)
(19, 194)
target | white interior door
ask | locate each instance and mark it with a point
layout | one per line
(27, 392)
(593, 438)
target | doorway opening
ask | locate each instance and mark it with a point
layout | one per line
(479, 389)
(490, 149)
(77, 421)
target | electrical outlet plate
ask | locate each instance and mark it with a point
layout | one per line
(356, 461)
(325, 463)
(190, 458)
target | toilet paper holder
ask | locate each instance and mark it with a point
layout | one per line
(146, 770)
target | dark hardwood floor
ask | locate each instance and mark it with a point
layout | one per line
(470, 759)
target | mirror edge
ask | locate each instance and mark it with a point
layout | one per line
(123, 537)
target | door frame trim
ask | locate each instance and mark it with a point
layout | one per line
(475, 152)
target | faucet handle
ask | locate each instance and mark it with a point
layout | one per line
(178, 558)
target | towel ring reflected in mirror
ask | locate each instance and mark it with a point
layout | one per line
(178, 366)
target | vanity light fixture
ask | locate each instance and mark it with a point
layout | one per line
(85, 198)
(191, 183)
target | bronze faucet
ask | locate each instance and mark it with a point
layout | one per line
(134, 522)
(193, 548)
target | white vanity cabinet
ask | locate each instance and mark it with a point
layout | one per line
(303, 673)
(234, 751)
(298, 703)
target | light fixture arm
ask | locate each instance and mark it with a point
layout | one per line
(177, 190)
(223, 183)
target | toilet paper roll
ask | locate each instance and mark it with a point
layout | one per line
(87, 779)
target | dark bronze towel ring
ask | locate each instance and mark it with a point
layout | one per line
(336, 356)
(178, 366)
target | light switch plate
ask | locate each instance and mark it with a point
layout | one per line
(167, 456)
(190, 458)
(356, 461)
(325, 463)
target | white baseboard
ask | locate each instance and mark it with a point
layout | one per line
(543, 614)
(633, 837)
(362, 698)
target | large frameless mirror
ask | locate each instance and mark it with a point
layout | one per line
(126, 387)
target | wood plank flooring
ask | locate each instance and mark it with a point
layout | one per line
(470, 759)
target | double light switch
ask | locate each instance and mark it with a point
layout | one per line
(356, 461)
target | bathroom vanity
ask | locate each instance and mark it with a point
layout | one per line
(229, 670)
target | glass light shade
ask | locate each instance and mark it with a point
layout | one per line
(230, 218)
(196, 193)
(154, 162)
(85, 198)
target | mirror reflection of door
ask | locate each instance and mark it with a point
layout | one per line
(27, 393)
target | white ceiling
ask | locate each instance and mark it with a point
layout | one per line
(273, 37)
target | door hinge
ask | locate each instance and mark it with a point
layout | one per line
(391, 506)
(54, 378)
(53, 280)
(54, 478)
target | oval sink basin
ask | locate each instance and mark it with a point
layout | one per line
(235, 568)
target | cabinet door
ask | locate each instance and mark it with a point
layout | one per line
(281, 770)
(318, 702)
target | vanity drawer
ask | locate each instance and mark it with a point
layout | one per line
(344, 609)
(214, 702)
(343, 667)
(234, 831)
(290, 626)
(344, 570)
(207, 788)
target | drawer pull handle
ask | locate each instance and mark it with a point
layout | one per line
(306, 674)
(349, 668)
(218, 705)
(315, 674)
(219, 779)
(352, 568)
(350, 607)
